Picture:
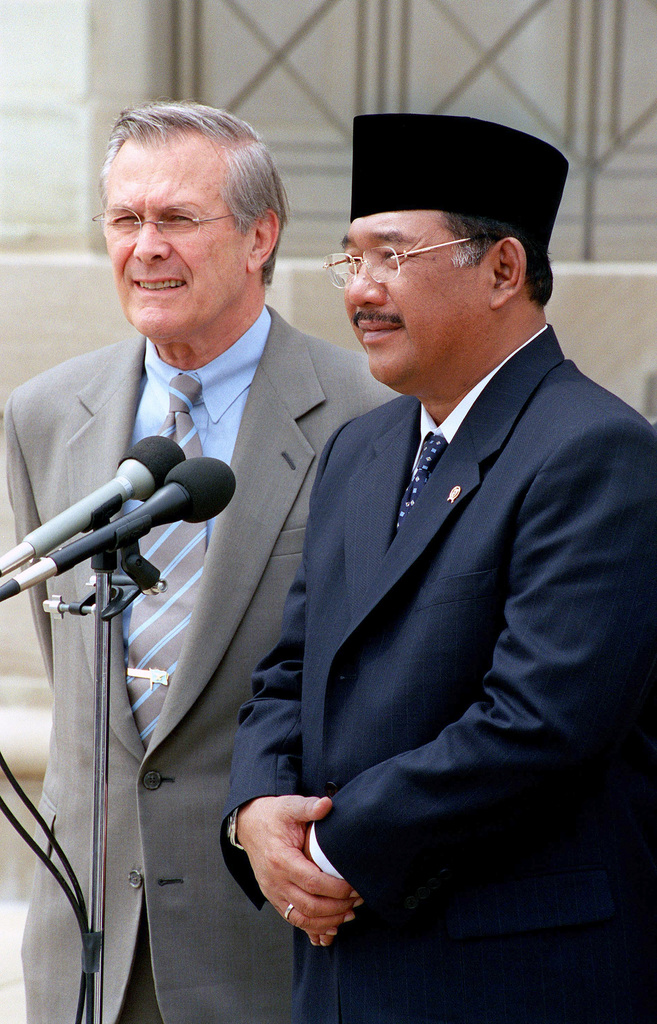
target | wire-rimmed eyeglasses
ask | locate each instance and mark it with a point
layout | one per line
(119, 222)
(382, 263)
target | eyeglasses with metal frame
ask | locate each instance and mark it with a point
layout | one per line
(119, 222)
(382, 263)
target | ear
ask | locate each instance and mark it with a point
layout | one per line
(264, 233)
(509, 267)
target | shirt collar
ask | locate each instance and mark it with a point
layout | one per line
(451, 423)
(225, 377)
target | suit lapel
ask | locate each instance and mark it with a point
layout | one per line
(457, 475)
(372, 517)
(271, 460)
(377, 559)
(109, 400)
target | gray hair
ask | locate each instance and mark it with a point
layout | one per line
(483, 233)
(252, 186)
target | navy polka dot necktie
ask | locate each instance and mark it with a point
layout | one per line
(433, 447)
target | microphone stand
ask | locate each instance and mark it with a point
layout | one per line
(109, 602)
(103, 565)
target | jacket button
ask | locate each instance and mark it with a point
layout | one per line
(152, 780)
(331, 788)
(423, 892)
(411, 902)
(136, 880)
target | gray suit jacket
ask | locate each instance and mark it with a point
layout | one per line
(214, 957)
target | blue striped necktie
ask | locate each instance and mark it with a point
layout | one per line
(157, 623)
(433, 447)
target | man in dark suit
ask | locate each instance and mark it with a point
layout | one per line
(447, 775)
(193, 208)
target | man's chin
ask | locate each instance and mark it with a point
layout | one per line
(385, 372)
(154, 325)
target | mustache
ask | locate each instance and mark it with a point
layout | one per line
(376, 318)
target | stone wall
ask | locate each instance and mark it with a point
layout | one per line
(579, 73)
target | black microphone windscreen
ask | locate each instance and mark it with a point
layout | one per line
(210, 484)
(159, 454)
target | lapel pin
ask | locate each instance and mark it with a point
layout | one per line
(454, 493)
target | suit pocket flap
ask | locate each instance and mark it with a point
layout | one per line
(528, 904)
(469, 586)
(289, 542)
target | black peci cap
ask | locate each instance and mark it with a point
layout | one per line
(459, 165)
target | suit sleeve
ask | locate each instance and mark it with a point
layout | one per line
(267, 750)
(27, 519)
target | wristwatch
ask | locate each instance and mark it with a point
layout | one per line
(232, 828)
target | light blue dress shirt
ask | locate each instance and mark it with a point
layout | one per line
(226, 382)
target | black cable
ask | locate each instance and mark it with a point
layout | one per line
(73, 892)
(49, 834)
(34, 846)
(81, 995)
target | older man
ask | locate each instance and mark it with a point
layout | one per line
(447, 775)
(193, 209)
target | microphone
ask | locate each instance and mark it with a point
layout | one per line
(195, 490)
(141, 472)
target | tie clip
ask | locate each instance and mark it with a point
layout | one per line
(154, 675)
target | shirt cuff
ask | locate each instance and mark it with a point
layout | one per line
(320, 859)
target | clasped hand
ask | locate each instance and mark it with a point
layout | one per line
(274, 832)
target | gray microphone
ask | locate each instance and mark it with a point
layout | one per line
(195, 491)
(141, 473)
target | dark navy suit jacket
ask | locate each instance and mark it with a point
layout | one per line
(478, 691)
